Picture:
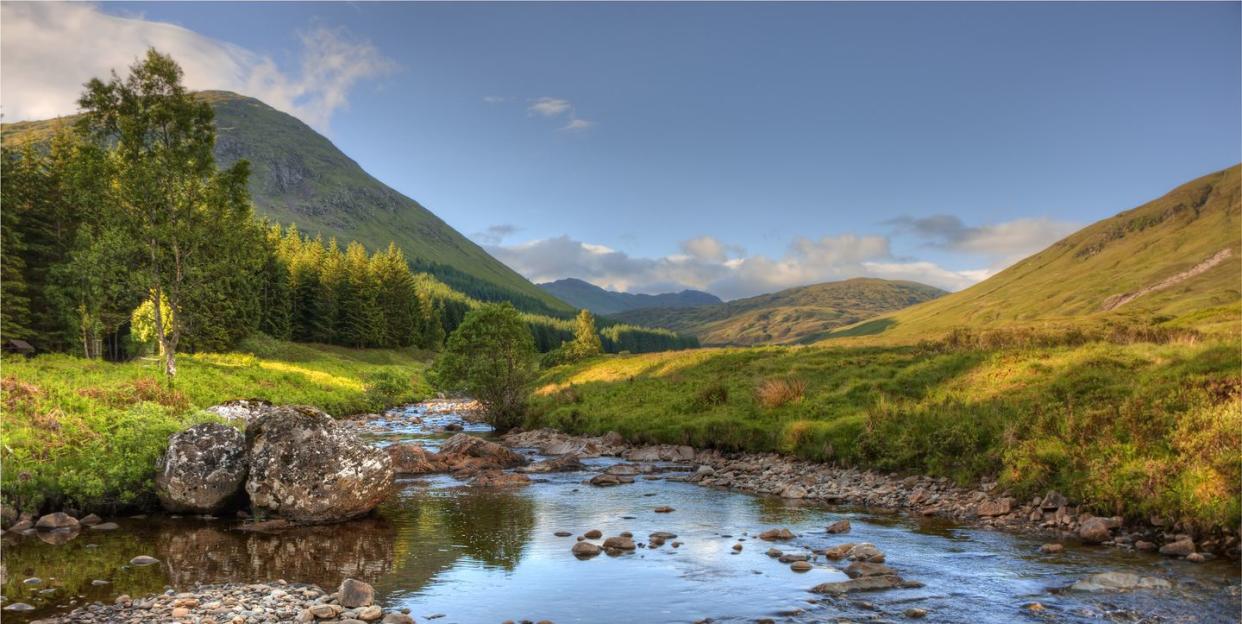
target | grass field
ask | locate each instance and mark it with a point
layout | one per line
(1137, 428)
(86, 433)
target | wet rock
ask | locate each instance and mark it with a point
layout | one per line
(499, 479)
(915, 613)
(464, 449)
(737, 547)
(1179, 548)
(354, 593)
(410, 458)
(586, 549)
(800, 566)
(593, 534)
(664, 535)
(840, 526)
(791, 557)
(1051, 549)
(397, 618)
(1144, 545)
(370, 614)
(865, 552)
(105, 526)
(618, 543)
(18, 607)
(624, 470)
(840, 551)
(793, 491)
(562, 534)
(203, 471)
(90, 520)
(309, 470)
(771, 535)
(58, 520)
(774, 553)
(860, 569)
(143, 560)
(862, 584)
(1052, 501)
(606, 480)
(1094, 530)
(565, 463)
(664, 509)
(1118, 581)
(242, 410)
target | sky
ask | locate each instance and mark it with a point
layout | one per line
(736, 148)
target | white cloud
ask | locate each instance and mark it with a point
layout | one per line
(1003, 243)
(495, 99)
(549, 106)
(48, 50)
(577, 125)
(709, 264)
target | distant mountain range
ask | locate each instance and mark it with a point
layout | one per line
(1176, 259)
(796, 315)
(299, 176)
(581, 294)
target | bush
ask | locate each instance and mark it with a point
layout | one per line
(711, 395)
(384, 388)
(491, 356)
(773, 393)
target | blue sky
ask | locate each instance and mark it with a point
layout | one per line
(739, 148)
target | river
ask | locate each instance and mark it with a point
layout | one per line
(457, 554)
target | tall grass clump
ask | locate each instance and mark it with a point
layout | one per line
(774, 393)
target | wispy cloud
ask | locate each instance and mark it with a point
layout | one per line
(549, 106)
(495, 234)
(577, 125)
(48, 50)
(495, 99)
(1004, 243)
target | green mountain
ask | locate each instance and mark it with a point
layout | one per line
(796, 315)
(299, 176)
(582, 294)
(1177, 259)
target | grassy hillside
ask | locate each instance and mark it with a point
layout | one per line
(1135, 429)
(299, 176)
(1178, 256)
(87, 432)
(582, 294)
(796, 315)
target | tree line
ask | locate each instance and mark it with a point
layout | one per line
(123, 227)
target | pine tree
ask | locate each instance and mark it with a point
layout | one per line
(586, 342)
(396, 297)
(361, 318)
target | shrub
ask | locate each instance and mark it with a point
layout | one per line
(384, 388)
(773, 393)
(491, 356)
(711, 395)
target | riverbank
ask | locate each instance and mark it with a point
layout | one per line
(84, 434)
(1136, 429)
(1052, 515)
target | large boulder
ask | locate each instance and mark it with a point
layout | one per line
(308, 469)
(203, 471)
(241, 410)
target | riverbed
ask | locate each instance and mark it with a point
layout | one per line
(451, 553)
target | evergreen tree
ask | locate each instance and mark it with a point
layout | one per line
(361, 318)
(586, 341)
(396, 297)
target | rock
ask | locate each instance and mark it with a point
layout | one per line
(180, 612)
(90, 520)
(1117, 581)
(472, 453)
(774, 553)
(1052, 501)
(397, 618)
(1094, 530)
(612, 438)
(915, 613)
(1144, 545)
(325, 611)
(664, 509)
(771, 535)
(58, 520)
(619, 543)
(583, 550)
(840, 526)
(370, 613)
(562, 534)
(310, 470)
(1051, 549)
(1196, 557)
(1179, 548)
(791, 557)
(865, 552)
(840, 551)
(664, 535)
(737, 547)
(866, 583)
(410, 458)
(18, 607)
(860, 569)
(354, 593)
(800, 566)
(624, 470)
(122, 599)
(605, 480)
(593, 534)
(203, 471)
(105, 526)
(998, 507)
(243, 410)
(793, 491)
(565, 463)
(499, 479)
(143, 560)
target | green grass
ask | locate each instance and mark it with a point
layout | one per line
(86, 433)
(1135, 429)
(792, 316)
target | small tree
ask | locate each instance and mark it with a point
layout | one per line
(490, 356)
(586, 341)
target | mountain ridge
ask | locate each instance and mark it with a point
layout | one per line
(583, 294)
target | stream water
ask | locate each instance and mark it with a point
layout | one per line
(457, 554)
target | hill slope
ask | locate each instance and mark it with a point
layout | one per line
(796, 315)
(1175, 256)
(582, 294)
(299, 176)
